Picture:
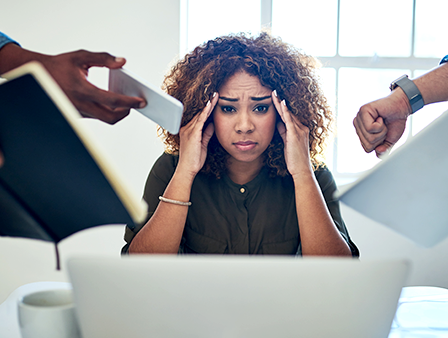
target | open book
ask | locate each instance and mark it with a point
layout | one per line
(54, 181)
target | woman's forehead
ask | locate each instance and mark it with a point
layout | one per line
(242, 82)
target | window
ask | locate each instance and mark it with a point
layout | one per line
(362, 45)
(207, 19)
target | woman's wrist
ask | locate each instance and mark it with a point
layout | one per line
(186, 172)
(304, 177)
(182, 181)
(302, 172)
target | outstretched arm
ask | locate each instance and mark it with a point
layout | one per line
(381, 123)
(70, 71)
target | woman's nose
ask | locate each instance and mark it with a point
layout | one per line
(244, 123)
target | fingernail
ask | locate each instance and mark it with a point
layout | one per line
(142, 104)
(208, 103)
(275, 92)
(284, 103)
(120, 60)
(214, 94)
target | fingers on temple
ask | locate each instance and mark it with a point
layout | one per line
(199, 119)
(287, 117)
(278, 105)
(206, 112)
(282, 110)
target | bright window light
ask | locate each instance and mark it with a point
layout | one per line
(308, 25)
(208, 19)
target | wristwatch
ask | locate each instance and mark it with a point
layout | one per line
(411, 91)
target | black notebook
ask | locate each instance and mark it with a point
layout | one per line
(54, 181)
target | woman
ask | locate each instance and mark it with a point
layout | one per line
(243, 175)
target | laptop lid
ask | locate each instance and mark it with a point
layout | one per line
(235, 296)
(408, 190)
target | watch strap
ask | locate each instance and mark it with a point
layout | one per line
(410, 89)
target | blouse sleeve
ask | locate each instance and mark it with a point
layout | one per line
(5, 39)
(328, 187)
(156, 183)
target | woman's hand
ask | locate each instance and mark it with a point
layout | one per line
(295, 138)
(194, 140)
(318, 233)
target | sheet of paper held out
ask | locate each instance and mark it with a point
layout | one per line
(408, 190)
(161, 108)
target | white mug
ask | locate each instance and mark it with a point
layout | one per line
(48, 314)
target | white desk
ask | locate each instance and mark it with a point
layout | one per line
(418, 307)
(422, 313)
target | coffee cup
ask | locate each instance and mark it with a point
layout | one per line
(48, 314)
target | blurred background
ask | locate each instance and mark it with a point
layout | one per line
(362, 46)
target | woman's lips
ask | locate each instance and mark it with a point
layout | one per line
(245, 145)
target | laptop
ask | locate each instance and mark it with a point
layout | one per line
(408, 190)
(167, 296)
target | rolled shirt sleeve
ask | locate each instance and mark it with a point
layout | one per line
(5, 39)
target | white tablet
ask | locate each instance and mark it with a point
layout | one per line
(161, 108)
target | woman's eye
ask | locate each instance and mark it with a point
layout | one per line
(261, 109)
(227, 109)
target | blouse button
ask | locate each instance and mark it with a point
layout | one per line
(242, 190)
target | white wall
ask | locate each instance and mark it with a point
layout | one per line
(146, 32)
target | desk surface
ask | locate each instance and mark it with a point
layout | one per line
(422, 311)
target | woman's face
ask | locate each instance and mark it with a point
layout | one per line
(244, 118)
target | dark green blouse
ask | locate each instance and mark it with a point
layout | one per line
(227, 218)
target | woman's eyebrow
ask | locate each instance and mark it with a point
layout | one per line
(260, 98)
(228, 99)
(252, 98)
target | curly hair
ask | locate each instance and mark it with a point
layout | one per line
(277, 65)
